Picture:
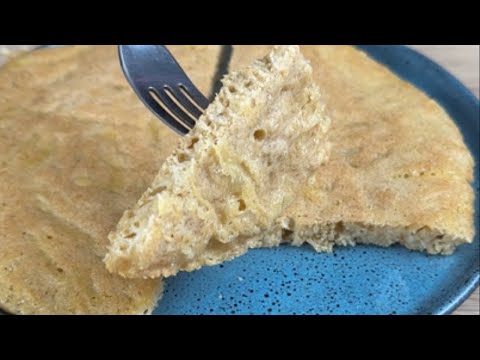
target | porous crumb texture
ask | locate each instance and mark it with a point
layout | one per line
(77, 148)
(399, 171)
(229, 181)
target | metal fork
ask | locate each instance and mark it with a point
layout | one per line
(162, 85)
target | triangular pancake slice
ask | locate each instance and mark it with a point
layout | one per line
(228, 183)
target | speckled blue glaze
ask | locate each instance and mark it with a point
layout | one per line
(359, 280)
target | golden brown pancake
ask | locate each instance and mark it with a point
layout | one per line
(77, 148)
(399, 173)
(399, 170)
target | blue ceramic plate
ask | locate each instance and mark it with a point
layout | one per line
(360, 280)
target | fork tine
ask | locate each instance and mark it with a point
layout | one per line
(168, 119)
(186, 102)
(196, 95)
(158, 80)
(173, 107)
